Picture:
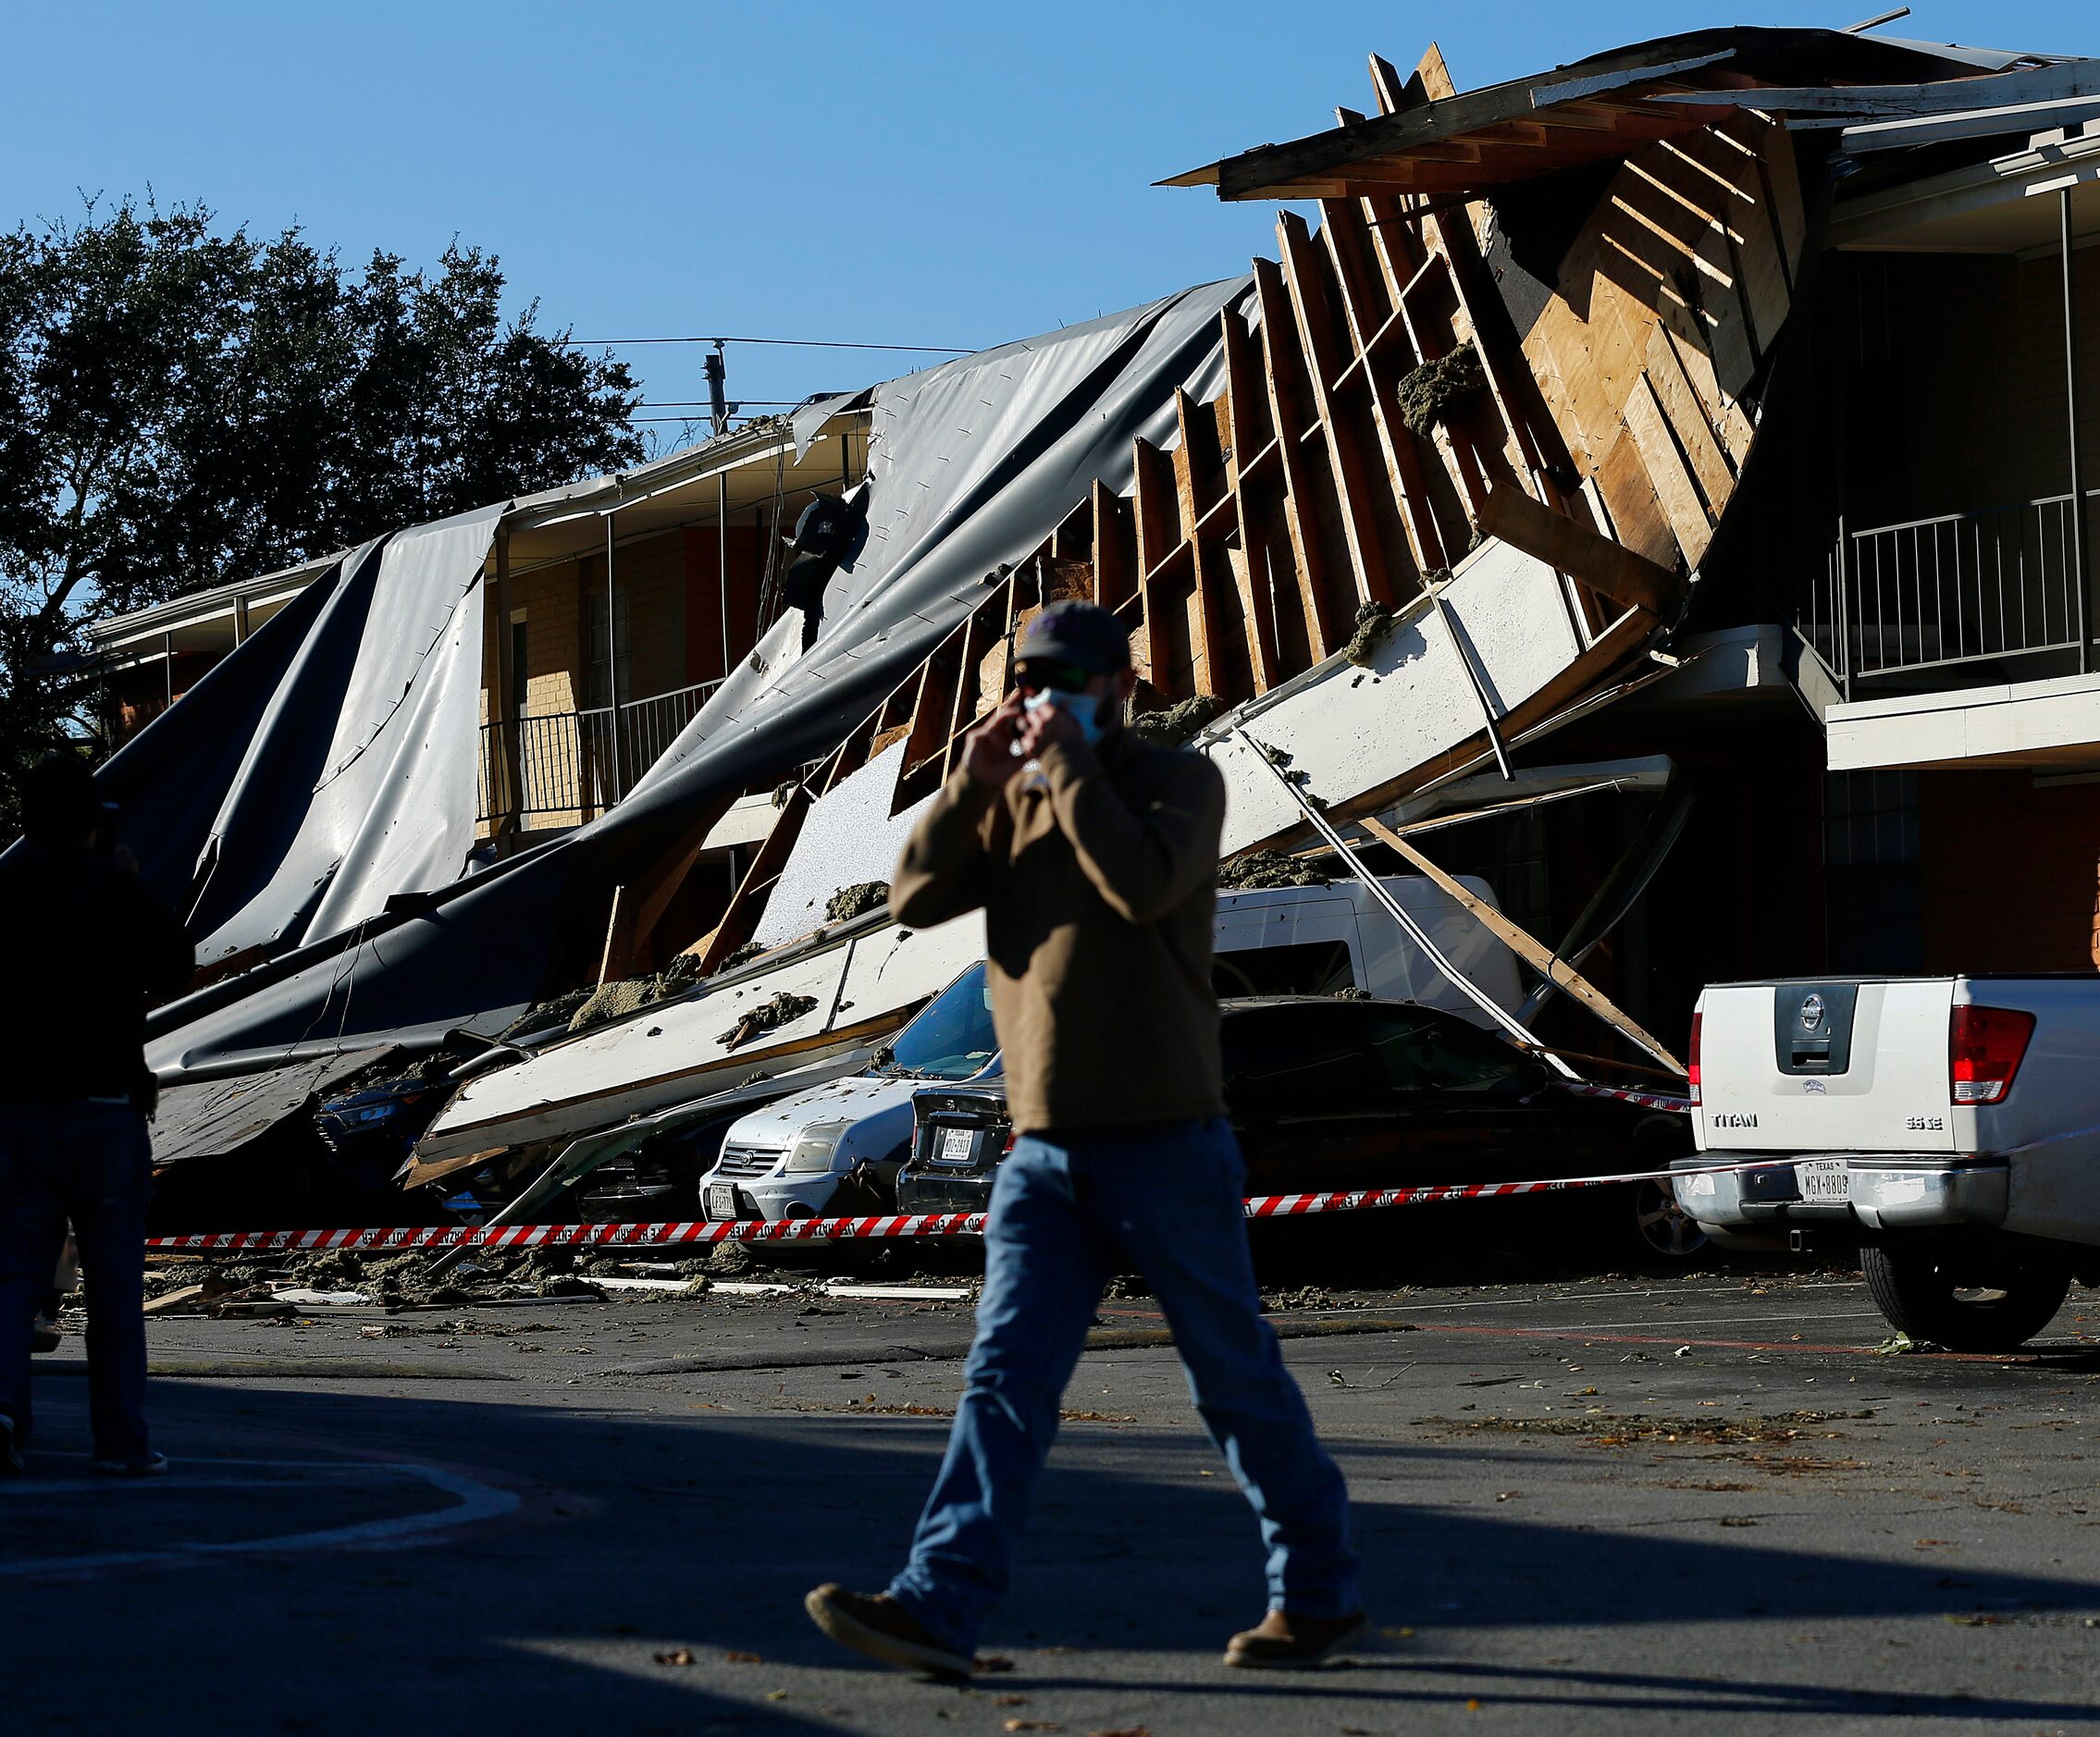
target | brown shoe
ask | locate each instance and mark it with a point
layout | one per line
(882, 1629)
(1283, 1641)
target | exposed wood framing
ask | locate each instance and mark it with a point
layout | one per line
(740, 921)
(1607, 441)
(1527, 947)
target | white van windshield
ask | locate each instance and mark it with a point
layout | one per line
(951, 1038)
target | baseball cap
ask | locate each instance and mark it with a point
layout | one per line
(1077, 632)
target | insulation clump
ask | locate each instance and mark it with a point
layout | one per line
(1173, 727)
(769, 1015)
(1256, 869)
(1427, 395)
(547, 1015)
(741, 955)
(857, 901)
(1373, 621)
(608, 1001)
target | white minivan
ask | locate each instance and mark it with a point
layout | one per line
(788, 1159)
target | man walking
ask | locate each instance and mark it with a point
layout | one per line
(1094, 857)
(82, 947)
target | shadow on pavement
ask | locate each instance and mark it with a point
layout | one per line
(647, 1532)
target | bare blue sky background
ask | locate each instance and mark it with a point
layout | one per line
(934, 173)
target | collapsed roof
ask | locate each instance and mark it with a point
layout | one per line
(1422, 490)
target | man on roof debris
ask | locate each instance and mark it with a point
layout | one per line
(1094, 857)
(85, 947)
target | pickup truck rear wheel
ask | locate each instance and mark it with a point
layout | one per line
(1967, 1296)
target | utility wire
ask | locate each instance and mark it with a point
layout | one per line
(793, 343)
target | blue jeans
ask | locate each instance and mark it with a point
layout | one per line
(87, 1163)
(1066, 1210)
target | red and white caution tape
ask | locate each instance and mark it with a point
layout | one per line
(1647, 1100)
(571, 1236)
(668, 1235)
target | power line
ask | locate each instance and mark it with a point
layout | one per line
(795, 343)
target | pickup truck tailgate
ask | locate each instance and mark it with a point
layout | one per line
(1826, 1067)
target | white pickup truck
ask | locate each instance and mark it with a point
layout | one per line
(1952, 1123)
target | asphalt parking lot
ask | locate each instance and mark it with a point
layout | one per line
(1596, 1505)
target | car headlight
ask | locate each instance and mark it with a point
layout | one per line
(814, 1152)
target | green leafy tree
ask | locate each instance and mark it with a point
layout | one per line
(182, 408)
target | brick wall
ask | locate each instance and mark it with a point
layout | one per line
(2010, 872)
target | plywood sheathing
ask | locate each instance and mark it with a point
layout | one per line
(1667, 306)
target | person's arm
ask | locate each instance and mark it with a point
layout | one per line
(943, 872)
(1144, 863)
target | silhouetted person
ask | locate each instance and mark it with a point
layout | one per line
(1093, 857)
(83, 948)
(830, 533)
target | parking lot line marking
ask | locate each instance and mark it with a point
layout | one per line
(1579, 1335)
(476, 1501)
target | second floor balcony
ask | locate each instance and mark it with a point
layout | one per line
(1999, 593)
(562, 769)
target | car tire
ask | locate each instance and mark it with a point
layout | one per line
(1967, 1296)
(1664, 1238)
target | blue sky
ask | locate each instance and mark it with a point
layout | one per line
(931, 173)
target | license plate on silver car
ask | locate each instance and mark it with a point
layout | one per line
(722, 1201)
(1826, 1180)
(956, 1145)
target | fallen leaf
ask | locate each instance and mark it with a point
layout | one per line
(1507, 1495)
(744, 1658)
(684, 1656)
(1031, 1724)
(1397, 1634)
(1471, 1705)
(776, 1695)
(991, 1661)
(1123, 1731)
(1010, 1700)
(1927, 1543)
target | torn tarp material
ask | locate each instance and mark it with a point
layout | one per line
(975, 463)
(215, 1118)
(332, 764)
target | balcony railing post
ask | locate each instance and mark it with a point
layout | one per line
(1843, 609)
(506, 771)
(2079, 564)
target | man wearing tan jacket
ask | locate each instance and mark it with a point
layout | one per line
(1094, 857)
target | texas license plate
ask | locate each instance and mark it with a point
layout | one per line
(957, 1144)
(722, 1201)
(1824, 1179)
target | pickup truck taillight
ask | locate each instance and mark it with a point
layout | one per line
(1691, 1062)
(1985, 1048)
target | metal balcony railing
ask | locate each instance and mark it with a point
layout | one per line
(572, 767)
(1963, 588)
